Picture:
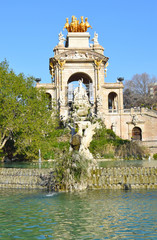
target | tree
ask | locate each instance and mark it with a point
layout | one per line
(25, 119)
(136, 91)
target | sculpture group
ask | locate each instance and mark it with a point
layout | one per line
(76, 26)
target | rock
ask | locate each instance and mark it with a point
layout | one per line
(127, 186)
(76, 142)
(6, 159)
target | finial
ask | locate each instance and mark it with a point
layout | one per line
(120, 79)
(38, 80)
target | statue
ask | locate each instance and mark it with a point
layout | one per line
(75, 26)
(80, 91)
(52, 70)
(87, 24)
(80, 84)
(82, 25)
(67, 26)
(99, 101)
(81, 102)
(95, 39)
(61, 101)
(61, 39)
(135, 119)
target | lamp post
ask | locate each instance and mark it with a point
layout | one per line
(120, 80)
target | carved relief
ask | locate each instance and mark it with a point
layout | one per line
(75, 55)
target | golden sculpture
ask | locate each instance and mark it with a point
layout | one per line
(67, 26)
(87, 25)
(97, 66)
(52, 70)
(61, 67)
(61, 63)
(75, 26)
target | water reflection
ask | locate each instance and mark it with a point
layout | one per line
(105, 214)
(128, 163)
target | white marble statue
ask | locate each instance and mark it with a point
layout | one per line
(61, 39)
(80, 92)
(81, 103)
(95, 39)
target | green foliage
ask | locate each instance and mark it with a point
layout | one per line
(130, 150)
(109, 155)
(69, 170)
(106, 144)
(155, 156)
(24, 115)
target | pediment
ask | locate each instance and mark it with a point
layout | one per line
(80, 55)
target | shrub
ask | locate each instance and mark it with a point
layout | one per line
(155, 156)
(69, 171)
(108, 145)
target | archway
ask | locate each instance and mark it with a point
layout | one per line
(113, 101)
(136, 133)
(87, 84)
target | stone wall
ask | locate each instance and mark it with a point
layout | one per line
(102, 178)
(117, 178)
(21, 178)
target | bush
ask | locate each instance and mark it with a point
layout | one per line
(69, 171)
(155, 156)
(108, 145)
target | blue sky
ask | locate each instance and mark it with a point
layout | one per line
(127, 30)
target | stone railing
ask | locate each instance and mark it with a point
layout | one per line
(140, 111)
(113, 111)
(150, 111)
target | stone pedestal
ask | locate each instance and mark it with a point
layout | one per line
(78, 40)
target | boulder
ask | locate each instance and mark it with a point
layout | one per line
(76, 142)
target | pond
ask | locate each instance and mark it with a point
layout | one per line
(95, 214)
(101, 163)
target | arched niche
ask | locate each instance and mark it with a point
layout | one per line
(113, 101)
(73, 82)
(136, 133)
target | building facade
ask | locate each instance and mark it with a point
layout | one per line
(75, 59)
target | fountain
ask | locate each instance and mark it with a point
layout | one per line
(85, 128)
(73, 170)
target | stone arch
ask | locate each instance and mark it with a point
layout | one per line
(136, 133)
(49, 97)
(79, 75)
(113, 101)
(87, 83)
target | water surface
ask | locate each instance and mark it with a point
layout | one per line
(95, 214)
(101, 163)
